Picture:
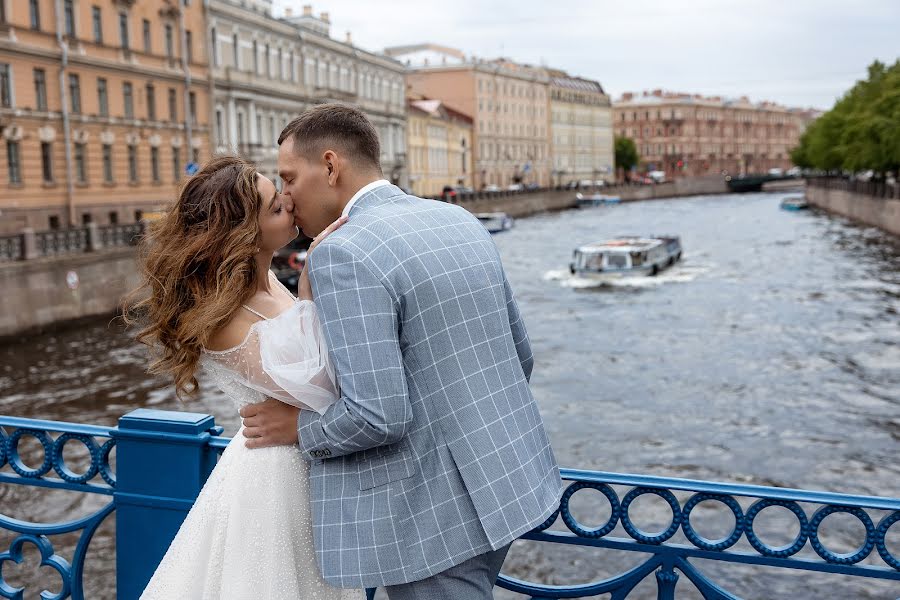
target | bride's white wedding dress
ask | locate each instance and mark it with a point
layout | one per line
(249, 533)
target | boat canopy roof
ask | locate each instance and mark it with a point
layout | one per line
(623, 244)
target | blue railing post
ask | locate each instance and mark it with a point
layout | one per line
(162, 461)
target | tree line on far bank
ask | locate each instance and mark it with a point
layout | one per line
(861, 132)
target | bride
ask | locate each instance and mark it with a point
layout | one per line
(210, 300)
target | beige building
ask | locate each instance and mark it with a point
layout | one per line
(508, 103)
(439, 140)
(581, 133)
(101, 108)
(684, 134)
(266, 71)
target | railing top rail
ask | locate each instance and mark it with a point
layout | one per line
(733, 489)
(59, 426)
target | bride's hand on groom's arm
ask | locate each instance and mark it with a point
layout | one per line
(304, 289)
(270, 423)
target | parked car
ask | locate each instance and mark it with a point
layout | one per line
(532, 186)
(514, 187)
(776, 172)
(491, 188)
(572, 185)
(657, 176)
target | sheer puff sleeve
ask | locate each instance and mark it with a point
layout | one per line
(285, 358)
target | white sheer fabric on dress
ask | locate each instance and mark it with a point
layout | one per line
(249, 533)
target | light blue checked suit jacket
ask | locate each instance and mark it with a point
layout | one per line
(436, 451)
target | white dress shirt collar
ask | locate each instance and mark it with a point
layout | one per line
(363, 191)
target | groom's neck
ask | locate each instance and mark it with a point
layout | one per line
(356, 183)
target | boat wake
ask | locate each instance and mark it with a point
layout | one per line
(680, 273)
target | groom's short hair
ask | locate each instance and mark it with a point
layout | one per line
(340, 126)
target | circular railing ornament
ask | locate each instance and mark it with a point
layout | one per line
(572, 523)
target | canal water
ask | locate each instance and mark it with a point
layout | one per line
(769, 355)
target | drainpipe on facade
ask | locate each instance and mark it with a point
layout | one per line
(185, 65)
(67, 134)
(212, 124)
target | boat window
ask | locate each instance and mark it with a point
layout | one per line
(595, 261)
(637, 259)
(617, 261)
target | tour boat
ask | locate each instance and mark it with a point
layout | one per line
(794, 203)
(626, 256)
(596, 199)
(495, 222)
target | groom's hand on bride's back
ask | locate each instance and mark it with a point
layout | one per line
(270, 423)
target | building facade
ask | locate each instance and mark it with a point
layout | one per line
(266, 71)
(102, 105)
(508, 103)
(439, 142)
(581, 134)
(690, 135)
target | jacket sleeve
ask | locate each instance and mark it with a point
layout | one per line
(361, 324)
(520, 336)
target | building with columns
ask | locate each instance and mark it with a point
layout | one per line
(690, 134)
(508, 103)
(581, 135)
(102, 104)
(266, 71)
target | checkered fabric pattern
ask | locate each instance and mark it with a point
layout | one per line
(436, 451)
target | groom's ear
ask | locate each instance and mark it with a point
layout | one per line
(332, 163)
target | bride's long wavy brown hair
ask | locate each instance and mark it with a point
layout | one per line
(198, 266)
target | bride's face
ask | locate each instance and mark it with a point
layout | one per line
(276, 217)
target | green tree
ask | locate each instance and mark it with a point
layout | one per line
(626, 153)
(861, 131)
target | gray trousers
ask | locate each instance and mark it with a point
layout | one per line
(470, 580)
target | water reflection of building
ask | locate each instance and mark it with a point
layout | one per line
(685, 134)
(101, 108)
(439, 140)
(266, 71)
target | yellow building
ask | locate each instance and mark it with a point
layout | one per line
(102, 105)
(508, 102)
(439, 144)
(581, 130)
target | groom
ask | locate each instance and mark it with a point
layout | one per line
(435, 458)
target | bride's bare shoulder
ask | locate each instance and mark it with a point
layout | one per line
(233, 333)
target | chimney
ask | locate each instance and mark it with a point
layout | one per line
(289, 12)
(349, 39)
(307, 10)
(324, 17)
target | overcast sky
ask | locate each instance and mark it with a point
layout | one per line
(797, 52)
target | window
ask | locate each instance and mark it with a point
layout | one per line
(240, 128)
(13, 162)
(219, 132)
(107, 163)
(102, 97)
(189, 46)
(280, 64)
(151, 102)
(154, 164)
(192, 106)
(132, 164)
(2, 12)
(293, 66)
(128, 97)
(148, 42)
(34, 13)
(215, 48)
(5, 86)
(195, 155)
(176, 164)
(97, 21)
(40, 89)
(80, 158)
(86, 218)
(268, 62)
(69, 17)
(173, 105)
(236, 51)
(54, 221)
(170, 42)
(47, 161)
(75, 93)
(114, 218)
(138, 216)
(255, 57)
(123, 29)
